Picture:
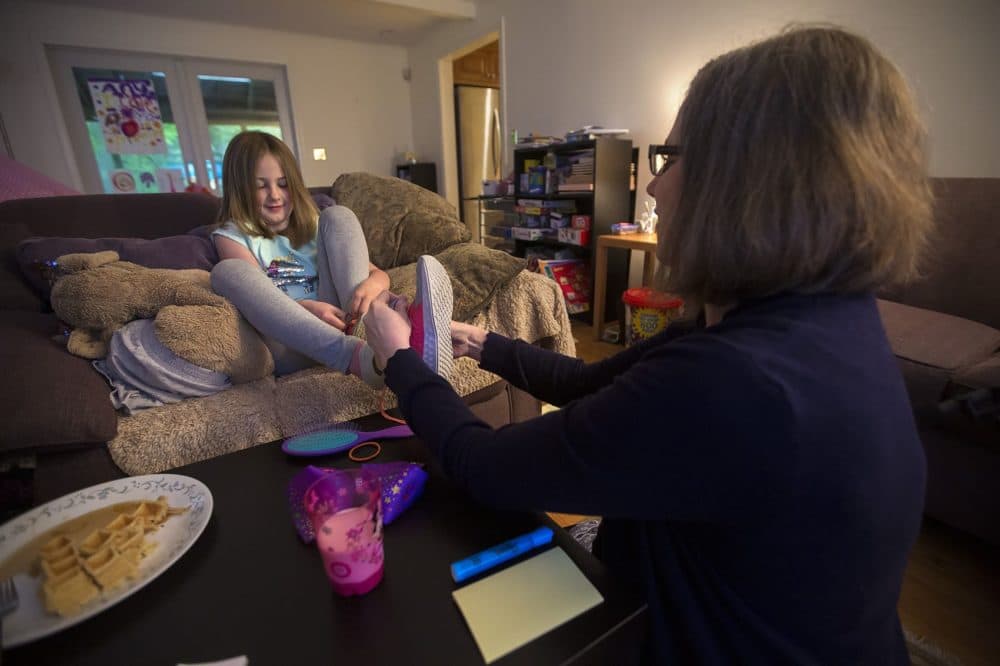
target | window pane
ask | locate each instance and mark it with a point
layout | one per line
(140, 172)
(235, 104)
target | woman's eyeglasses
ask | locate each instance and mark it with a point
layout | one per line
(662, 157)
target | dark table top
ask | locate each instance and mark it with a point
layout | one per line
(249, 586)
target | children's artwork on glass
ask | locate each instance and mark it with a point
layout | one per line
(129, 114)
(170, 180)
(123, 181)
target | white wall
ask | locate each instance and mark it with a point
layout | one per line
(627, 64)
(346, 96)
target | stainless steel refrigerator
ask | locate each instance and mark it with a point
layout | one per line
(480, 147)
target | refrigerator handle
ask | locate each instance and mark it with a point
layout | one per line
(496, 147)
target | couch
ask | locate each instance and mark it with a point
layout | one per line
(61, 432)
(945, 331)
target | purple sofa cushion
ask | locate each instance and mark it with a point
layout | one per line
(192, 250)
(322, 201)
(57, 400)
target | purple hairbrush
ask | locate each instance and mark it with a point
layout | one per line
(338, 437)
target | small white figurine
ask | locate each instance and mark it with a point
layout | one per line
(647, 221)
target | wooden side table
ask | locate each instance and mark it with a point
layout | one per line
(643, 242)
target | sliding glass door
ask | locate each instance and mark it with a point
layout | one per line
(229, 98)
(146, 123)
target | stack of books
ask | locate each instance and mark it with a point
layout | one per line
(592, 132)
(544, 213)
(578, 174)
(537, 141)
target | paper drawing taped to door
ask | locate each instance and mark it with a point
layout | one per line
(129, 114)
(170, 180)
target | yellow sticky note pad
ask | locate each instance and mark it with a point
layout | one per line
(517, 605)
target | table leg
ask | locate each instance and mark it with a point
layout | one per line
(600, 287)
(648, 268)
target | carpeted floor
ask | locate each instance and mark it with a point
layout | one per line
(922, 652)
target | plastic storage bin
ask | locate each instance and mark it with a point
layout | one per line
(648, 312)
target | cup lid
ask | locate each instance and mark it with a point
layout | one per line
(646, 297)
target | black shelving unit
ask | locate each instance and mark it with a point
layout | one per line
(423, 174)
(495, 212)
(611, 201)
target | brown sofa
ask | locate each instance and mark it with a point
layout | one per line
(61, 431)
(945, 331)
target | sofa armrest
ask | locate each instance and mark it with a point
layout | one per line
(53, 400)
(985, 374)
(935, 339)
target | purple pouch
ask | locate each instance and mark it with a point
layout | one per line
(402, 483)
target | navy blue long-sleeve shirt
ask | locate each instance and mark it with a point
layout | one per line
(761, 480)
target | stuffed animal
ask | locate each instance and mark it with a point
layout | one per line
(97, 294)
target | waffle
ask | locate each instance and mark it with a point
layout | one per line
(77, 572)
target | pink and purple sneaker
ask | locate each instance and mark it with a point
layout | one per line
(430, 316)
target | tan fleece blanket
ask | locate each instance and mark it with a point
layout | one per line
(529, 307)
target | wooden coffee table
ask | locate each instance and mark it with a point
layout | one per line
(249, 586)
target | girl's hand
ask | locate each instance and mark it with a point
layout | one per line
(467, 340)
(388, 329)
(331, 314)
(369, 289)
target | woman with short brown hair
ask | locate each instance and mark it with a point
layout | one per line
(804, 170)
(759, 476)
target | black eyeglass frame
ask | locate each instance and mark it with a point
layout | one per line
(669, 149)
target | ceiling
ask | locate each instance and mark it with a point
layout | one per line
(398, 22)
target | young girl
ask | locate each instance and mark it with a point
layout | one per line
(302, 282)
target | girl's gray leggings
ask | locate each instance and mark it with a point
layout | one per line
(297, 338)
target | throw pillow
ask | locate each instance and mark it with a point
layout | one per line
(193, 250)
(322, 201)
(401, 220)
(58, 400)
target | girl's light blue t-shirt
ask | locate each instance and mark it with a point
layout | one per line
(293, 270)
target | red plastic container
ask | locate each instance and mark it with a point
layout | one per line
(648, 312)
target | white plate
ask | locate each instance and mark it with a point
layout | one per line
(30, 621)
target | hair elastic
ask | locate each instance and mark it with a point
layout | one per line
(358, 458)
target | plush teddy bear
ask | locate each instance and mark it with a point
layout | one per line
(97, 294)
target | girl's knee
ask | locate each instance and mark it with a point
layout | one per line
(227, 272)
(338, 216)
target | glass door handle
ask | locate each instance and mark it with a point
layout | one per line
(210, 170)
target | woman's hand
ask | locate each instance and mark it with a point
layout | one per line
(366, 292)
(467, 340)
(387, 326)
(331, 314)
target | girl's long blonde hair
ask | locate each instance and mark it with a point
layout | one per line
(239, 186)
(804, 169)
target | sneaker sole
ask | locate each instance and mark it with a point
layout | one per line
(434, 285)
